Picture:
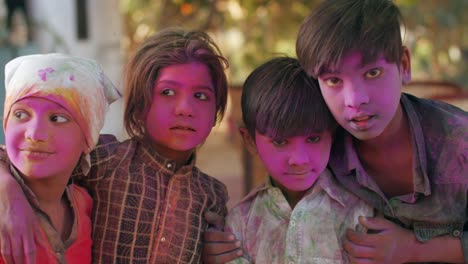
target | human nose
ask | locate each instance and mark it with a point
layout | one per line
(184, 107)
(298, 155)
(36, 130)
(356, 94)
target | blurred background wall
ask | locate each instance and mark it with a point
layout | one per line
(247, 31)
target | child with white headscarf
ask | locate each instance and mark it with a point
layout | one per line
(55, 106)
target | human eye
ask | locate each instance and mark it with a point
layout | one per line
(373, 73)
(313, 139)
(168, 92)
(332, 81)
(202, 96)
(279, 142)
(20, 114)
(59, 118)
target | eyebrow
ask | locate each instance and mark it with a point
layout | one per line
(359, 66)
(328, 71)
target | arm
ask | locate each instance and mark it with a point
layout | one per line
(394, 244)
(17, 224)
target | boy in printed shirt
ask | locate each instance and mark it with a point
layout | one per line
(301, 212)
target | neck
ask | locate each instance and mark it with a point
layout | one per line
(293, 197)
(50, 195)
(48, 191)
(180, 157)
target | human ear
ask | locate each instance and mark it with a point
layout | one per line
(405, 66)
(249, 142)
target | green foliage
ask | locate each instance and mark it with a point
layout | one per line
(250, 31)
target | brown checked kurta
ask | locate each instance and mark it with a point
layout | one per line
(147, 208)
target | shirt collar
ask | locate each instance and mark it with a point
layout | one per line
(328, 183)
(150, 155)
(27, 191)
(421, 180)
(325, 182)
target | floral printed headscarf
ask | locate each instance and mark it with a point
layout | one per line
(77, 84)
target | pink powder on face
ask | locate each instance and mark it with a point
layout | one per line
(43, 73)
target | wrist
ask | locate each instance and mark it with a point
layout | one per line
(437, 249)
(416, 250)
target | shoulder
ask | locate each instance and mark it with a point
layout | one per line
(248, 203)
(437, 111)
(444, 136)
(336, 191)
(208, 180)
(108, 145)
(109, 149)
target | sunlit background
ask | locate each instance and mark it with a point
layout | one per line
(247, 31)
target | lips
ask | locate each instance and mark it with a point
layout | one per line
(297, 173)
(36, 149)
(361, 118)
(362, 122)
(33, 153)
(184, 128)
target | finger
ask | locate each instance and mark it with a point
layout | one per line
(6, 248)
(377, 224)
(30, 258)
(354, 260)
(218, 236)
(215, 220)
(18, 253)
(371, 240)
(17, 249)
(222, 258)
(220, 248)
(19, 259)
(8, 259)
(357, 251)
(362, 239)
(30, 251)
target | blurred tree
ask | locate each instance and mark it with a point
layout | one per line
(438, 38)
(250, 31)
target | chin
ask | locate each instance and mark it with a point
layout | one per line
(366, 135)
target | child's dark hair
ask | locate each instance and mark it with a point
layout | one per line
(338, 26)
(168, 47)
(280, 100)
